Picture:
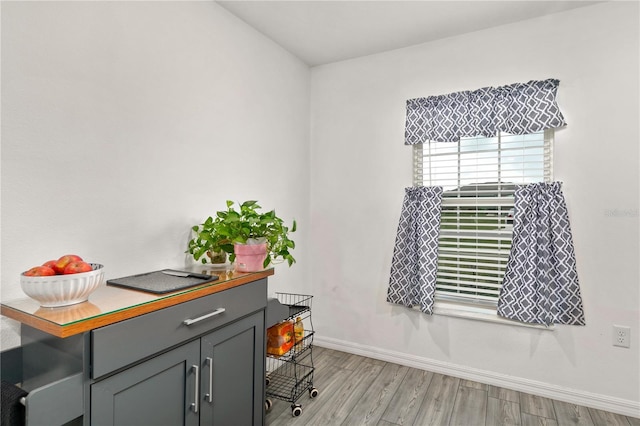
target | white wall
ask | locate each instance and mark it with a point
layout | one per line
(360, 166)
(125, 123)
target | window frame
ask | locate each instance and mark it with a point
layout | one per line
(467, 306)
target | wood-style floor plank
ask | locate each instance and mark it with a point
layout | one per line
(571, 414)
(501, 412)
(505, 394)
(352, 361)
(634, 421)
(404, 405)
(474, 385)
(438, 403)
(375, 400)
(531, 420)
(537, 405)
(355, 390)
(470, 407)
(347, 396)
(605, 418)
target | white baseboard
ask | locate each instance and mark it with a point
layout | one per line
(547, 390)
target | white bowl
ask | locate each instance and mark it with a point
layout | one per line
(62, 290)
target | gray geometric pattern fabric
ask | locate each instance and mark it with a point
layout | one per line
(541, 281)
(516, 108)
(415, 254)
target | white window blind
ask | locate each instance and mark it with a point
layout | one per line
(479, 177)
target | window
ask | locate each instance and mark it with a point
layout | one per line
(479, 176)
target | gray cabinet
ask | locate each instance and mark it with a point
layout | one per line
(158, 392)
(215, 378)
(232, 363)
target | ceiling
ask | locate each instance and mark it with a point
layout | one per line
(321, 32)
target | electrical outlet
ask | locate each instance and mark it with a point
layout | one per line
(621, 336)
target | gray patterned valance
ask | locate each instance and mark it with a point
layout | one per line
(516, 108)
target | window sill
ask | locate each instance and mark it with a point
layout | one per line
(478, 313)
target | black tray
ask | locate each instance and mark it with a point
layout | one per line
(157, 282)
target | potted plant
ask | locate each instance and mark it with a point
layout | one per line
(252, 239)
(206, 244)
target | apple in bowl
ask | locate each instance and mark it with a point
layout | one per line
(65, 260)
(40, 271)
(77, 267)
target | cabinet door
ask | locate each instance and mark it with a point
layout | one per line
(157, 392)
(232, 367)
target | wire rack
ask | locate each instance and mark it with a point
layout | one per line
(290, 375)
(297, 303)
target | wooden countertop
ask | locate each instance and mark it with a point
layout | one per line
(108, 304)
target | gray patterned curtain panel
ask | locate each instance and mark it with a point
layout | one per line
(415, 254)
(517, 109)
(541, 282)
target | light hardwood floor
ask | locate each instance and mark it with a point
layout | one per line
(354, 390)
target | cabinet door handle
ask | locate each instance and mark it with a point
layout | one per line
(209, 362)
(194, 404)
(203, 317)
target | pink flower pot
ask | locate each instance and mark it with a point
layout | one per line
(250, 257)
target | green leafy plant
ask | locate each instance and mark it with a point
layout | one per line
(244, 226)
